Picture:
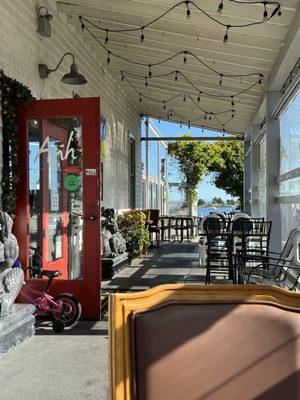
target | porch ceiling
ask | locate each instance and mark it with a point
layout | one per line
(249, 50)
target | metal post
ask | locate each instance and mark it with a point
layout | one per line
(158, 197)
(147, 166)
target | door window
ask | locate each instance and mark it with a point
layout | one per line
(55, 186)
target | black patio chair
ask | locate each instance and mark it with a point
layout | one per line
(277, 269)
(219, 242)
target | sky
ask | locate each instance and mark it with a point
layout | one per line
(206, 189)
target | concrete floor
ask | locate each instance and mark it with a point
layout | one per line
(72, 365)
(169, 263)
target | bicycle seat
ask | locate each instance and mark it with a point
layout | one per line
(51, 274)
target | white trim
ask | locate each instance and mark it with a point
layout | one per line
(288, 199)
(287, 97)
(294, 173)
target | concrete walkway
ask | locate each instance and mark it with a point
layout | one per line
(169, 263)
(68, 366)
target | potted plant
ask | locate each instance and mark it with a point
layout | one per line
(132, 228)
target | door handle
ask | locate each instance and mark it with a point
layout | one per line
(85, 217)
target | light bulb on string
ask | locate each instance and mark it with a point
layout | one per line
(209, 117)
(164, 105)
(176, 76)
(260, 79)
(184, 98)
(232, 101)
(199, 97)
(184, 58)
(140, 97)
(82, 25)
(106, 37)
(122, 76)
(150, 72)
(142, 35)
(108, 58)
(225, 40)
(221, 80)
(220, 8)
(146, 82)
(188, 11)
(265, 14)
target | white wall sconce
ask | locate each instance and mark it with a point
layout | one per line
(72, 78)
(44, 18)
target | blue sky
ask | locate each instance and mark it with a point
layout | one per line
(206, 190)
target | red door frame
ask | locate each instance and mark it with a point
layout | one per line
(88, 288)
(55, 132)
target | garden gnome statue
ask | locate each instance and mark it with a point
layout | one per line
(11, 279)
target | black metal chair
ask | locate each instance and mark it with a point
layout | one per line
(218, 249)
(278, 269)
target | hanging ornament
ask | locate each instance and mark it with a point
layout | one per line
(150, 72)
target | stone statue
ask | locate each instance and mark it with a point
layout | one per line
(113, 242)
(11, 279)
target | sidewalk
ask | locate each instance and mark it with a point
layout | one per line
(71, 365)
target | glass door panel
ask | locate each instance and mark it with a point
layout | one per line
(55, 192)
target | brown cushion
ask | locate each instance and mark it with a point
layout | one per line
(216, 352)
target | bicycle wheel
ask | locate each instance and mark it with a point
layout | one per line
(71, 308)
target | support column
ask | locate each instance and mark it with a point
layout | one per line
(147, 200)
(158, 193)
(247, 174)
(255, 129)
(273, 170)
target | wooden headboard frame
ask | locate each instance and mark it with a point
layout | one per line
(123, 304)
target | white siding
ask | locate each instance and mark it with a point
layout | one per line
(22, 48)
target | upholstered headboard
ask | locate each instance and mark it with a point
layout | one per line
(178, 342)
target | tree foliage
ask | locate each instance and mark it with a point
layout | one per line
(228, 168)
(194, 159)
(223, 159)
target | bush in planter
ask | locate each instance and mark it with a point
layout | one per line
(132, 228)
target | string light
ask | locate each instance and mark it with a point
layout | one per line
(188, 11)
(266, 17)
(184, 58)
(221, 80)
(265, 14)
(225, 40)
(176, 76)
(149, 72)
(199, 97)
(146, 82)
(220, 8)
(108, 58)
(232, 101)
(142, 35)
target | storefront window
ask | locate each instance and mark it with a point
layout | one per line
(290, 161)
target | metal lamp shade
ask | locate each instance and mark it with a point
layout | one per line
(74, 77)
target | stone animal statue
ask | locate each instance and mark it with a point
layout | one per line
(11, 279)
(113, 242)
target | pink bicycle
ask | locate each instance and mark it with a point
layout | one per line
(64, 308)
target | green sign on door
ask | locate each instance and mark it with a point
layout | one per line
(71, 182)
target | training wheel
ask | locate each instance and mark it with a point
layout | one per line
(58, 325)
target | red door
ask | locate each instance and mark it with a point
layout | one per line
(58, 204)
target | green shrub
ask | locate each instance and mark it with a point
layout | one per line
(133, 229)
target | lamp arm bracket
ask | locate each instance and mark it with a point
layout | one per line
(61, 60)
